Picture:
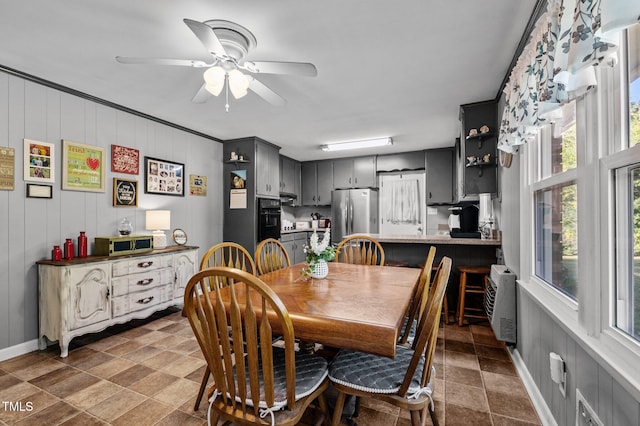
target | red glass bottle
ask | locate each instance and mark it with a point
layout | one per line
(82, 245)
(56, 253)
(68, 249)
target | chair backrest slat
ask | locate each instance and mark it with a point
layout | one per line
(270, 256)
(427, 331)
(419, 301)
(360, 250)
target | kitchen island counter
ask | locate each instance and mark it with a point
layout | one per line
(433, 240)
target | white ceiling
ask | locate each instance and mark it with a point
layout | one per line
(385, 68)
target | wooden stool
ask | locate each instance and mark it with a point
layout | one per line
(445, 303)
(473, 289)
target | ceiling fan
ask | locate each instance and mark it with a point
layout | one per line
(229, 43)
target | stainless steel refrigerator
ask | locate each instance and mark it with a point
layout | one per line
(353, 211)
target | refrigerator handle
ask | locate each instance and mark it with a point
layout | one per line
(350, 216)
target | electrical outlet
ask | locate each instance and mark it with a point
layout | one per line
(585, 416)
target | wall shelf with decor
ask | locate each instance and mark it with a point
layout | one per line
(237, 162)
(480, 165)
(480, 137)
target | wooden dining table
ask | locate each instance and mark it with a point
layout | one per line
(357, 307)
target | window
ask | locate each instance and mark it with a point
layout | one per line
(633, 55)
(556, 224)
(627, 202)
(555, 200)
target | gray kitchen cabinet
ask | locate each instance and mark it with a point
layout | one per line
(267, 169)
(317, 182)
(358, 172)
(440, 169)
(413, 160)
(290, 176)
(294, 244)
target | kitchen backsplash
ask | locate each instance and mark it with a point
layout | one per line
(302, 214)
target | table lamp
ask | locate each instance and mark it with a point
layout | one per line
(158, 221)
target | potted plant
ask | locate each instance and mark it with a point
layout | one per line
(318, 253)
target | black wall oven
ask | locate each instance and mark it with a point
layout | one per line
(268, 218)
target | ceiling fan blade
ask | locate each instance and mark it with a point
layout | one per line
(202, 95)
(265, 93)
(293, 68)
(207, 37)
(162, 61)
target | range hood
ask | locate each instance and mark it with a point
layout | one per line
(288, 198)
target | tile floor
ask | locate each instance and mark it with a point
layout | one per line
(148, 372)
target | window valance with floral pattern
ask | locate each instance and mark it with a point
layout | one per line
(557, 64)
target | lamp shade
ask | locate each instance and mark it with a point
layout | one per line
(158, 219)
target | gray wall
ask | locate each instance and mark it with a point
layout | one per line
(30, 227)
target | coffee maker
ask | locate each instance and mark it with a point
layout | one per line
(463, 221)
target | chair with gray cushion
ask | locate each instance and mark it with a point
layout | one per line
(404, 381)
(255, 382)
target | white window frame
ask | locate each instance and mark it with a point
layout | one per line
(601, 144)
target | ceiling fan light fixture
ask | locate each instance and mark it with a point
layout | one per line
(238, 83)
(366, 143)
(214, 78)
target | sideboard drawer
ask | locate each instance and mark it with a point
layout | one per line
(142, 281)
(140, 264)
(141, 300)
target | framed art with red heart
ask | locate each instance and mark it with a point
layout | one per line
(83, 167)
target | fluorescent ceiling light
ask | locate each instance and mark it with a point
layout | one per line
(369, 143)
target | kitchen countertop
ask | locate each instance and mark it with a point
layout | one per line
(432, 239)
(293, 231)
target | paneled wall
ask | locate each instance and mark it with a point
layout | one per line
(539, 334)
(30, 227)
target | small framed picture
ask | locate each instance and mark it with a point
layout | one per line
(163, 177)
(35, 190)
(125, 160)
(39, 161)
(82, 167)
(125, 192)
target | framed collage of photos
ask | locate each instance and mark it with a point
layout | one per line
(163, 177)
(39, 161)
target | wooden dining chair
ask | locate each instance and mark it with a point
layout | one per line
(231, 255)
(419, 301)
(360, 250)
(255, 382)
(271, 256)
(404, 381)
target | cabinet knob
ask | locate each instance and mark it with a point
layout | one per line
(430, 196)
(146, 281)
(313, 198)
(145, 264)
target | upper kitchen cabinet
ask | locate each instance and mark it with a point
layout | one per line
(440, 175)
(478, 149)
(413, 160)
(267, 169)
(358, 172)
(317, 183)
(290, 175)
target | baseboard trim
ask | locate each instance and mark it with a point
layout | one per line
(17, 350)
(539, 404)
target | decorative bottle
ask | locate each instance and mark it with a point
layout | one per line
(125, 227)
(82, 244)
(56, 253)
(68, 249)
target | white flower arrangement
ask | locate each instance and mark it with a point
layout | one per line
(318, 250)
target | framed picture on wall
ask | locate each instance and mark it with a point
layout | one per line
(125, 160)
(125, 192)
(82, 167)
(39, 161)
(163, 177)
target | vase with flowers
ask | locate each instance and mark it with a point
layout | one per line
(318, 254)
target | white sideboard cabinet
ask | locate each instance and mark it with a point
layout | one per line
(87, 295)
